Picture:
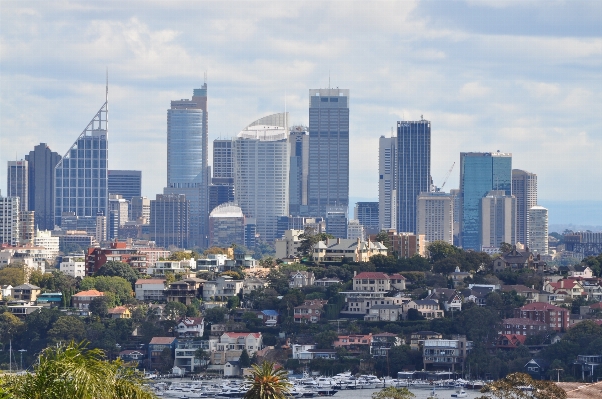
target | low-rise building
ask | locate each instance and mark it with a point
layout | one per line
(417, 338)
(300, 279)
(378, 282)
(358, 303)
(569, 287)
(150, 289)
(222, 288)
(213, 263)
(190, 327)
(22, 309)
(446, 354)
(523, 326)
(120, 312)
(184, 291)
(172, 266)
(289, 244)
(457, 277)
(353, 341)
(449, 298)
(73, 266)
(343, 250)
(185, 357)
(383, 342)
(428, 308)
(554, 317)
(81, 300)
(156, 347)
(327, 281)
(384, 313)
(310, 311)
(251, 284)
(50, 299)
(26, 292)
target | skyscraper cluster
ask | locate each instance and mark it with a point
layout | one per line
(267, 178)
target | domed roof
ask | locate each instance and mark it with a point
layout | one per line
(227, 210)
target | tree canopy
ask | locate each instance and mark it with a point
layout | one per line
(267, 382)
(513, 387)
(118, 269)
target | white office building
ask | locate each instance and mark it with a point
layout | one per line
(44, 239)
(9, 220)
(261, 172)
(538, 230)
(435, 217)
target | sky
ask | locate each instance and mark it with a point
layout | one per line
(523, 77)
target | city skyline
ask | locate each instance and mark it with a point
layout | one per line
(528, 89)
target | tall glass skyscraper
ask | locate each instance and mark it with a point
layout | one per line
(413, 169)
(80, 177)
(42, 162)
(299, 140)
(328, 179)
(524, 188)
(387, 182)
(187, 168)
(480, 172)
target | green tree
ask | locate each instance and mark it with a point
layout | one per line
(100, 306)
(383, 237)
(393, 393)
(118, 269)
(245, 360)
(192, 310)
(73, 371)
(117, 285)
(215, 315)
(9, 326)
(505, 247)
(183, 255)
(12, 274)
(202, 355)
(325, 339)
(308, 240)
(440, 250)
(267, 382)
(233, 302)
(510, 387)
(67, 328)
(174, 310)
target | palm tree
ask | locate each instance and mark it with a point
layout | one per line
(267, 382)
(73, 371)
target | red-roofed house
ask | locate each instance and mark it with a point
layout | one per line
(82, 299)
(554, 317)
(230, 347)
(510, 341)
(378, 282)
(353, 341)
(191, 327)
(568, 287)
(120, 312)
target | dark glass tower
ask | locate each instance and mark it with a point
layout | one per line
(127, 183)
(480, 172)
(413, 170)
(328, 179)
(42, 162)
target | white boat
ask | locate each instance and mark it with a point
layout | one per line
(461, 393)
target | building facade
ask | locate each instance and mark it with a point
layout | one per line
(538, 230)
(17, 182)
(413, 169)
(169, 224)
(226, 226)
(9, 220)
(480, 172)
(368, 215)
(435, 217)
(387, 182)
(336, 221)
(328, 179)
(524, 188)
(127, 183)
(41, 164)
(498, 220)
(299, 170)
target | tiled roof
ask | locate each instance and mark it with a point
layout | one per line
(26, 287)
(150, 281)
(242, 335)
(118, 310)
(162, 340)
(90, 293)
(374, 275)
(518, 288)
(397, 277)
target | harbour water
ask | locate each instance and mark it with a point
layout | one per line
(420, 393)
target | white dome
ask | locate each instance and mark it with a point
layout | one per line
(227, 210)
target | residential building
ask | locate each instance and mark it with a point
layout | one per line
(310, 311)
(261, 167)
(155, 350)
(384, 313)
(169, 223)
(406, 245)
(570, 288)
(531, 294)
(383, 342)
(190, 327)
(184, 291)
(428, 308)
(413, 169)
(538, 230)
(449, 298)
(518, 260)
(41, 164)
(387, 182)
(435, 217)
(187, 159)
(222, 288)
(213, 263)
(447, 354)
(116, 251)
(140, 207)
(23, 309)
(378, 282)
(17, 182)
(82, 299)
(367, 213)
(226, 226)
(417, 338)
(120, 312)
(9, 220)
(458, 277)
(498, 220)
(556, 318)
(45, 239)
(355, 230)
(299, 170)
(237, 341)
(27, 227)
(289, 244)
(523, 326)
(524, 188)
(26, 292)
(328, 179)
(480, 173)
(327, 281)
(185, 358)
(359, 303)
(300, 279)
(80, 177)
(150, 289)
(581, 271)
(510, 341)
(301, 351)
(269, 317)
(353, 341)
(251, 284)
(50, 299)
(341, 250)
(336, 221)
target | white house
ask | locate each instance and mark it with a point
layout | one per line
(222, 288)
(213, 263)
(75, 267)
(150, 289)
(172, 266)
(191, 327)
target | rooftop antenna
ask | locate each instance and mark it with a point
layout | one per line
(107, 87)
(329, 78)
(205, 77)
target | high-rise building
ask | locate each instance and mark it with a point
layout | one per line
(80, 177)
(524, 188)
(328, 179)
(95, 226)
(498, 220)
(356, 230)
(457, 203)
(140, 209)
(17, 182)
(170, 220)
(9, 220)
(368, 215)
(261, 172)
(387, 181)
(336, 221)
(127, 183)
(221, 189)
(299, 170)
(435, 216)
(220, 194)
(27, 227)
(187, 167)
(480, 173)
(42, 162)
(413, 169)
(118, 214)
(226, 226)
(538, 230)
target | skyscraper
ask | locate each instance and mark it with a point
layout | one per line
(538, 230)
(524, 188)
(187, 168)
(9, 220)
(435, 216)
(368, 215)
(169, 220)
(261, 172)
(80, 177)
(140, 209)
(221, 189)
(480, 172)
(127, 183)
(498, 220)
(413, 169)
(299, 139)
(387, 181)
(336, 221)
(328, 179)
(18, 182)
(42, 162)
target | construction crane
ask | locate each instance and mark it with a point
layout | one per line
(447, 176)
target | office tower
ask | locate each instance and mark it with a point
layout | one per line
(95, 226)
(220, 194)
(45, 239)
(80, 177)
(127, 183)
(498, 220)
(250, 232)
(27, 227)
(328, 178)
(524, 188)
(118, 215)
(387, 181)
(336, 221)
(226, 226)
(480, 172)
(223, 162)
(100, 227)
(42, 162)
(261, 172)
(538, 230)
(187, 168)
(368, 215)
(457, 203)
(299, 170)
(17, 182)
(9, 220)
(413, 169)
(356, 230)
(435, 216)
(169, 223)
(140, 209)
